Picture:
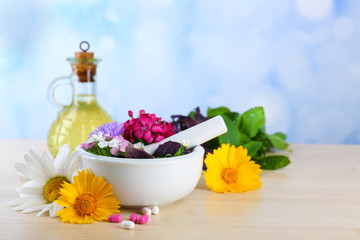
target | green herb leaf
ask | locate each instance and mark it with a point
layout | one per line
(251, 121)
(280, 135)
(253, 148)
(233, 116)
(213, 112)
(192, 114)
(278, 141)
(181, 151)
(213, 144)
(272, 162)
(232, 136)
(243, 138)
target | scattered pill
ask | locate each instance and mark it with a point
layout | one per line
(115, 218)
(146, 211)
(133, 217)
(127, 224)
(155, 210)
(143, 219)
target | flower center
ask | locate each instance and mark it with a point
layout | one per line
(85, 204)
(52, 188)
(229, 175)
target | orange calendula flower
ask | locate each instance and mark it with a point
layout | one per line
(87, 200)
(230, 169)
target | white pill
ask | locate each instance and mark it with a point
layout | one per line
(155, 210)
(146, 211)
(127, 224)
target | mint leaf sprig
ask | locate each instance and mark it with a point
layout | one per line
(248, 130)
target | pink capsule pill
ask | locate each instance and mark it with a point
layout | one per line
(133, 217)
(143, 219)
(115, 218)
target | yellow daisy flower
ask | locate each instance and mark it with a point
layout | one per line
(229, 169)
(87, 200)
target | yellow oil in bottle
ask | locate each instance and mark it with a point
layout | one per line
(75, 123)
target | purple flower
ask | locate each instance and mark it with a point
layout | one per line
(113, 129)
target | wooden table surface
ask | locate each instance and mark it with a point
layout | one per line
(316, 197)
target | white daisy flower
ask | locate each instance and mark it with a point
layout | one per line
(99, 138)
(45, 177)
(139, 145)
(103, 144)
(114, 143)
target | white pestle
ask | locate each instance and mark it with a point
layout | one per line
(195, 135)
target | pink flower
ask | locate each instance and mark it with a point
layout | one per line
(118, 144)
(114, 151)
(147, 128)
(122, 143)
(87, 146)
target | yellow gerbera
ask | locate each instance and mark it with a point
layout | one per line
(229, 169)
(87, 200)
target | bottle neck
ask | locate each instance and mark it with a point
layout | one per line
(84, 88)
(84, 76)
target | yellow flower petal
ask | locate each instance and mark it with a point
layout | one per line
(230, 169)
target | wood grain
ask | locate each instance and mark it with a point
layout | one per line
(316, 197)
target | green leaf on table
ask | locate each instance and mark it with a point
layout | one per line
(272, 162)
(277, 140)
(253, 148)
(251, 121)
(213, 112)
(232, 136)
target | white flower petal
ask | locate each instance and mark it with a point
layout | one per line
(30, 173)
(103, 144)
(67, 162)
(48, 165)
(76, 164)
(30, 203)
(185, 142)
(34, 208)
(19, 201)
(45, 209)
(56, 207)
(114, 143)
(30, 190)
(33, 184)
(139, 145)
(31, 162)
(61, 156)
(35, 154)
(72, 164)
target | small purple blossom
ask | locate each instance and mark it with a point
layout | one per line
(112, 129)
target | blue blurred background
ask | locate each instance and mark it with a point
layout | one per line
(299, 59)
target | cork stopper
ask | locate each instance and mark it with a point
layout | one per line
(84, 64)
(84, 54)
